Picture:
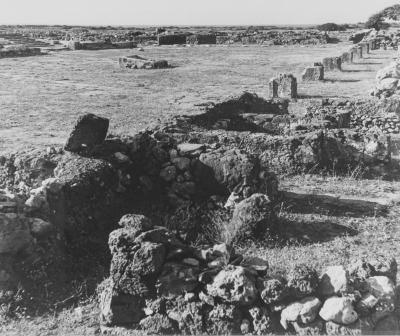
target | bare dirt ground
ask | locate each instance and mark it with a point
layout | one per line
(41, 97)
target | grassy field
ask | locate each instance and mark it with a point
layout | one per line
(344, 219)
(41, 97)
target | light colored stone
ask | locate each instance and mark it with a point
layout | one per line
(333, 281)
(305, 311)
(339, 310)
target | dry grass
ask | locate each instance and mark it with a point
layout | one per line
(41, 97)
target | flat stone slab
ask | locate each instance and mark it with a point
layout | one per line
(138, 62)
(187, 148)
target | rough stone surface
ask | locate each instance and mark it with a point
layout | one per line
(90, 130)
(302, 281)
(262, 321)
(334, 281)
(332, 64)
(234, 285)
(273, 290)
(339, 310)
(253, 218)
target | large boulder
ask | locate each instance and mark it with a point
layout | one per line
(334, 280)
(226, 171)
(252, 218)
(89, 130)
(117, 308)
(339, 310)
(304, 311)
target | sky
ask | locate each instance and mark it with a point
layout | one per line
(188, 12)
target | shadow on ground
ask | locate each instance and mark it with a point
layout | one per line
(333, 206)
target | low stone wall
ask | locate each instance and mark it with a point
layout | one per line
(100, 45)
(171, 39)
(159, 285)
(202, 39)
(20, 52)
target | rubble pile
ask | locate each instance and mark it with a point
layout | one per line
(159, 285)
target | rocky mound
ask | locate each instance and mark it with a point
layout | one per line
(159, 285)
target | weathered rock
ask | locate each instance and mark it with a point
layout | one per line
(168, 173)
(222, 172)
(40, 228)
(223, 320)
(262, 322)
(90, 130)
(190, 148)
(176, 279)
(302, 280)
(116, 309)
(136, 223)
(304, 311)
(234, 285)
(158, 324)
(15, 233)
(252, 218)
(273, 290)
(333, 281)
(360, 327)
(188, 315)
(384, 266)
(339, 310)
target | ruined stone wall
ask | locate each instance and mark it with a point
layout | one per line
(159, 285)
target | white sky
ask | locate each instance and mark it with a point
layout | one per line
(187, 12)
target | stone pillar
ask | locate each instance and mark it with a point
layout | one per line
(347, 57)
(343, 118)
(359, 51)
(332, 63)
(313, 73)
(283, 86)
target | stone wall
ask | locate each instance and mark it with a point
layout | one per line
(171, 39)
(160, 285)
(283, 86)
(202, 39)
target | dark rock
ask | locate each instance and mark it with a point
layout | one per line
(234, 285)
(310, 329)
(14, 233)
(158, 324)
(253, 218)
(138, 223)
(223, 319)
(89, 130)
(176, 279)
(273, 290)
(117, 309)
(302, 280)
(188, 315)
(222, 172)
